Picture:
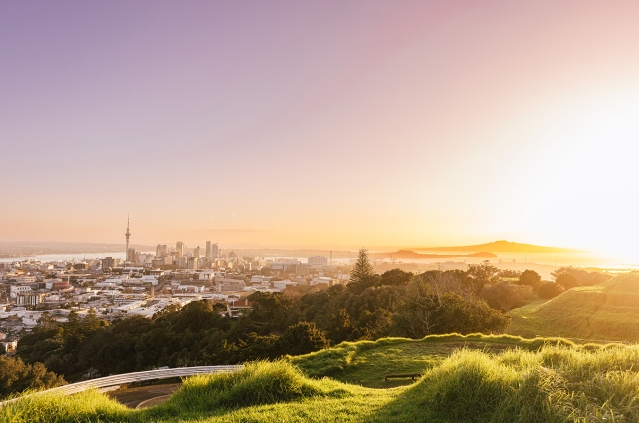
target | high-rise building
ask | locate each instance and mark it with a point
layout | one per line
(193, 263)
(208, 249)
(130, 256)
(158, 250)
(196, 252)
(214, 251)
(127, 235)
(180, 248)
(165, 250)
(108, 263)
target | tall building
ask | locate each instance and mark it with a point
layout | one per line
(158, 250)
(165, 250)
(127, 234)
(214, 251)
(130, 256)
(317, 261)
(208, 249)
(108, 263)
(180, 248)
(196, 252)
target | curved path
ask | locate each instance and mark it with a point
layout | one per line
(104, 382)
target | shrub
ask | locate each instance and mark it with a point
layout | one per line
(550, 290)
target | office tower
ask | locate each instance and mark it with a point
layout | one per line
(196, 253)
(208, 249)
(214, 251)
(108, 263)
(180, 248)
(127, 234)
(158, 250)
(130, 256)
(165, 250)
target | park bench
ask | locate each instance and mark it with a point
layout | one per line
(413, 376)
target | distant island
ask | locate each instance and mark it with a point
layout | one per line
(405, 254)
(502, 247)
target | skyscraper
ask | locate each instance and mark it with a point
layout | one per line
(127, 234)
(214, 251)
(158, 250)
(196, 253)
(208, 249)
(180, 248)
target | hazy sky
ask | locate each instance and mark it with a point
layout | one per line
(326, 123)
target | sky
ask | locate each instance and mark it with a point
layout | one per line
(321, 124)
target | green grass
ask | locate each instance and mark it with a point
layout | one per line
(608, 311)
(554, 383)
(367, 362)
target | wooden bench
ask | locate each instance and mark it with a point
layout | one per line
(413, 376)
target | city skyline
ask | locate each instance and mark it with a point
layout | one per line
(287, 124)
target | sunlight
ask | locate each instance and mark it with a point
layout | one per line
(586, 183)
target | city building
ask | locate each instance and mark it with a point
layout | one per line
(317, 261)
(215, 251)
(108, 263)
(208, 249)
(179, 246)
(127, 235)
(196, 252)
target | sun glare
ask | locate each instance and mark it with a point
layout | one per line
(586, 182)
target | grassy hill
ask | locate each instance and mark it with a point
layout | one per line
(608, 311)
(490, 379)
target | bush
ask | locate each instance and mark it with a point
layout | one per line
(257, 383)
(550, 290)
(302, 338)
(530, 278)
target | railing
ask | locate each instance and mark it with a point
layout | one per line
(104, 382)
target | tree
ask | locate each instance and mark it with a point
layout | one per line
(530, 278)
(302, 338)
(16, 376)
(550, 290)
(567, 281)
(363, 268)
(505, 296)
(482, 274)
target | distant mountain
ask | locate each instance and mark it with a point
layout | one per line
(405, 254)
(502, 247)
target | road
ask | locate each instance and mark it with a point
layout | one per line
(132, 397)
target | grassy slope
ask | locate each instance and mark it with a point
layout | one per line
(553, 384)
(608, 311)
(367, 362)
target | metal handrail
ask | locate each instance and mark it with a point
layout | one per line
(104, 382)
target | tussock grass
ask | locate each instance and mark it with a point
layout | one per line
(367, 362)
(555, 384)
(258, 383)
(532, 381)
(608, 311)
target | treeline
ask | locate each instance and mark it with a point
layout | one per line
(298, 321)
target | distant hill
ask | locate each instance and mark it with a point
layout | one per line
(502, 247)
(608, 311)
(405, 254)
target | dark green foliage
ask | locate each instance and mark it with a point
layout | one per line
(363, 269)
(550, 290)
(302, 338)
(16, 376)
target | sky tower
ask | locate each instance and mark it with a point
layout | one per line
(127, 234)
